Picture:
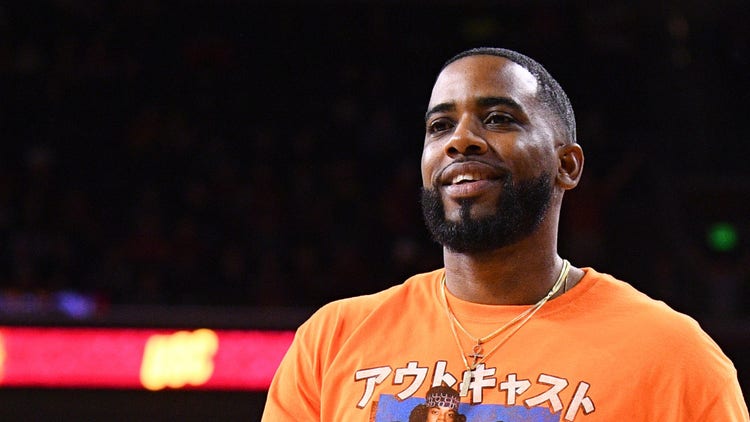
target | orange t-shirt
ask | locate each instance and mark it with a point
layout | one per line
(601, 352)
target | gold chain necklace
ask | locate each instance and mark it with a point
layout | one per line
(524, 316)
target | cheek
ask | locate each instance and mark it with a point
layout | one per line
(428, 165)
(538, 158)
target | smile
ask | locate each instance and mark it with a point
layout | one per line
(465, 179)
(461, 178)
(467, 172)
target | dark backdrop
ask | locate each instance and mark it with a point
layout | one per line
(240, 153)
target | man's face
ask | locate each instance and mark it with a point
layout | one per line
(441, 414)
(489, 155)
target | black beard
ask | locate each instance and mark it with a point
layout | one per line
(521, 208)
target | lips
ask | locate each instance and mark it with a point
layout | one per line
(467, 172)
(470, 179)
(465, 177)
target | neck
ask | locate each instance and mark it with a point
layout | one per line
(519, 274)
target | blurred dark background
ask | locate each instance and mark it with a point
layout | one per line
(236, 154)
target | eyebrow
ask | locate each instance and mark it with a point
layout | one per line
(481, 101)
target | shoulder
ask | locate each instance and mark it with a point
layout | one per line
(341, 317)
(668, 349)
(633, 307)
(652, 326)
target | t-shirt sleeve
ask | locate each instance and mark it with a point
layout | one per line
(711, 390)
(729, 405)
(294, 394)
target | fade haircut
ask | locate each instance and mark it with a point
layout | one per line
(550, 94)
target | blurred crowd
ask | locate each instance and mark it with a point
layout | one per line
(238, 154)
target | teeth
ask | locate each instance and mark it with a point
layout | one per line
(465, 177)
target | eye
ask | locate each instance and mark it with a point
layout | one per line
(439, 125)
(499, 119)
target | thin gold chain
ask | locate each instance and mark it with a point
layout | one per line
(555, 287)
(523, 317)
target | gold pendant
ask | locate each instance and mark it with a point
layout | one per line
(477, 354)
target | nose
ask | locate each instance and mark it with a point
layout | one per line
(465, 139)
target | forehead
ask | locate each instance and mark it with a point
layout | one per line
(484, 76)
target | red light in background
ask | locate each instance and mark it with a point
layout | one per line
(114, 358)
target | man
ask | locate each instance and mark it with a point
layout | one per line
(510, 325)
(441, 404)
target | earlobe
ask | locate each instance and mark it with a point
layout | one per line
(571, 165)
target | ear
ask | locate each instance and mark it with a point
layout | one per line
(571, 165)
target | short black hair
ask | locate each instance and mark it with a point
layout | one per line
(551, 93)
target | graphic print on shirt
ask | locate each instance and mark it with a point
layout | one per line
(535, 399)
(390, 409)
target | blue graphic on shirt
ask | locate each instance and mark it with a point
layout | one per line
(390, 409)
